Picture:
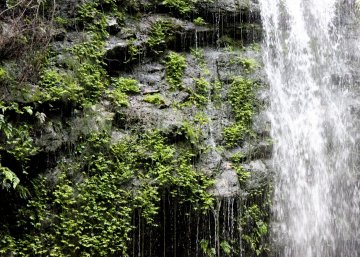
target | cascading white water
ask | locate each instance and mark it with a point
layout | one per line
(314, 129)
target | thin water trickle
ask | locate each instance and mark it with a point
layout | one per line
(315, 133)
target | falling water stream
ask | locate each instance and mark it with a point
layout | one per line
(315, 129)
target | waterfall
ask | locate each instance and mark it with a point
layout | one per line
(308, 62)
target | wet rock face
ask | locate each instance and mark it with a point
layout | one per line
(223, 20)
(190, 115)
(226, 184)
(230, 6)
(222, 65)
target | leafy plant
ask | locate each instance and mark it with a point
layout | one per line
(161, 34)
(243, 102)
(226, 247)
(199, 21)
(175, 67)
(248, 64)
(199, 56)
(2, 73)
(90, 208)
(8, 178)
(134, 51)
(181, 6)
(206, 249)
(200, 96)
(121, 88)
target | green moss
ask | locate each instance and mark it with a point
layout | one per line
(155, 99)
(175, 66)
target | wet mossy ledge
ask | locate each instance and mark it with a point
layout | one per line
(133, 128)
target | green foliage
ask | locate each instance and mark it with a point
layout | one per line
(207, 249)
(126, 85)
(243, 102)
(226, 247)
(181, 6)
(228, 42)
(234, 134)
(199, 21)
(93, 16)
(243, 175)
(134, 51)
(175, 67)
(201, 118)
(248, 64)
(161, 34)
(118, 97)
(199, 56)
(57, 85)
(255, 214)
(191, 132)
(217, 86)
(242, 99)
(121, 88)
(84, 80)
(155, 99)
(88, 70)
(17, 142)
(255, 47)
(89, 210)
(200, 96)
(8, 178)
(2, 73)
(256, 229)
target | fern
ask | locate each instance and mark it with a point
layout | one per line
(9, 178)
